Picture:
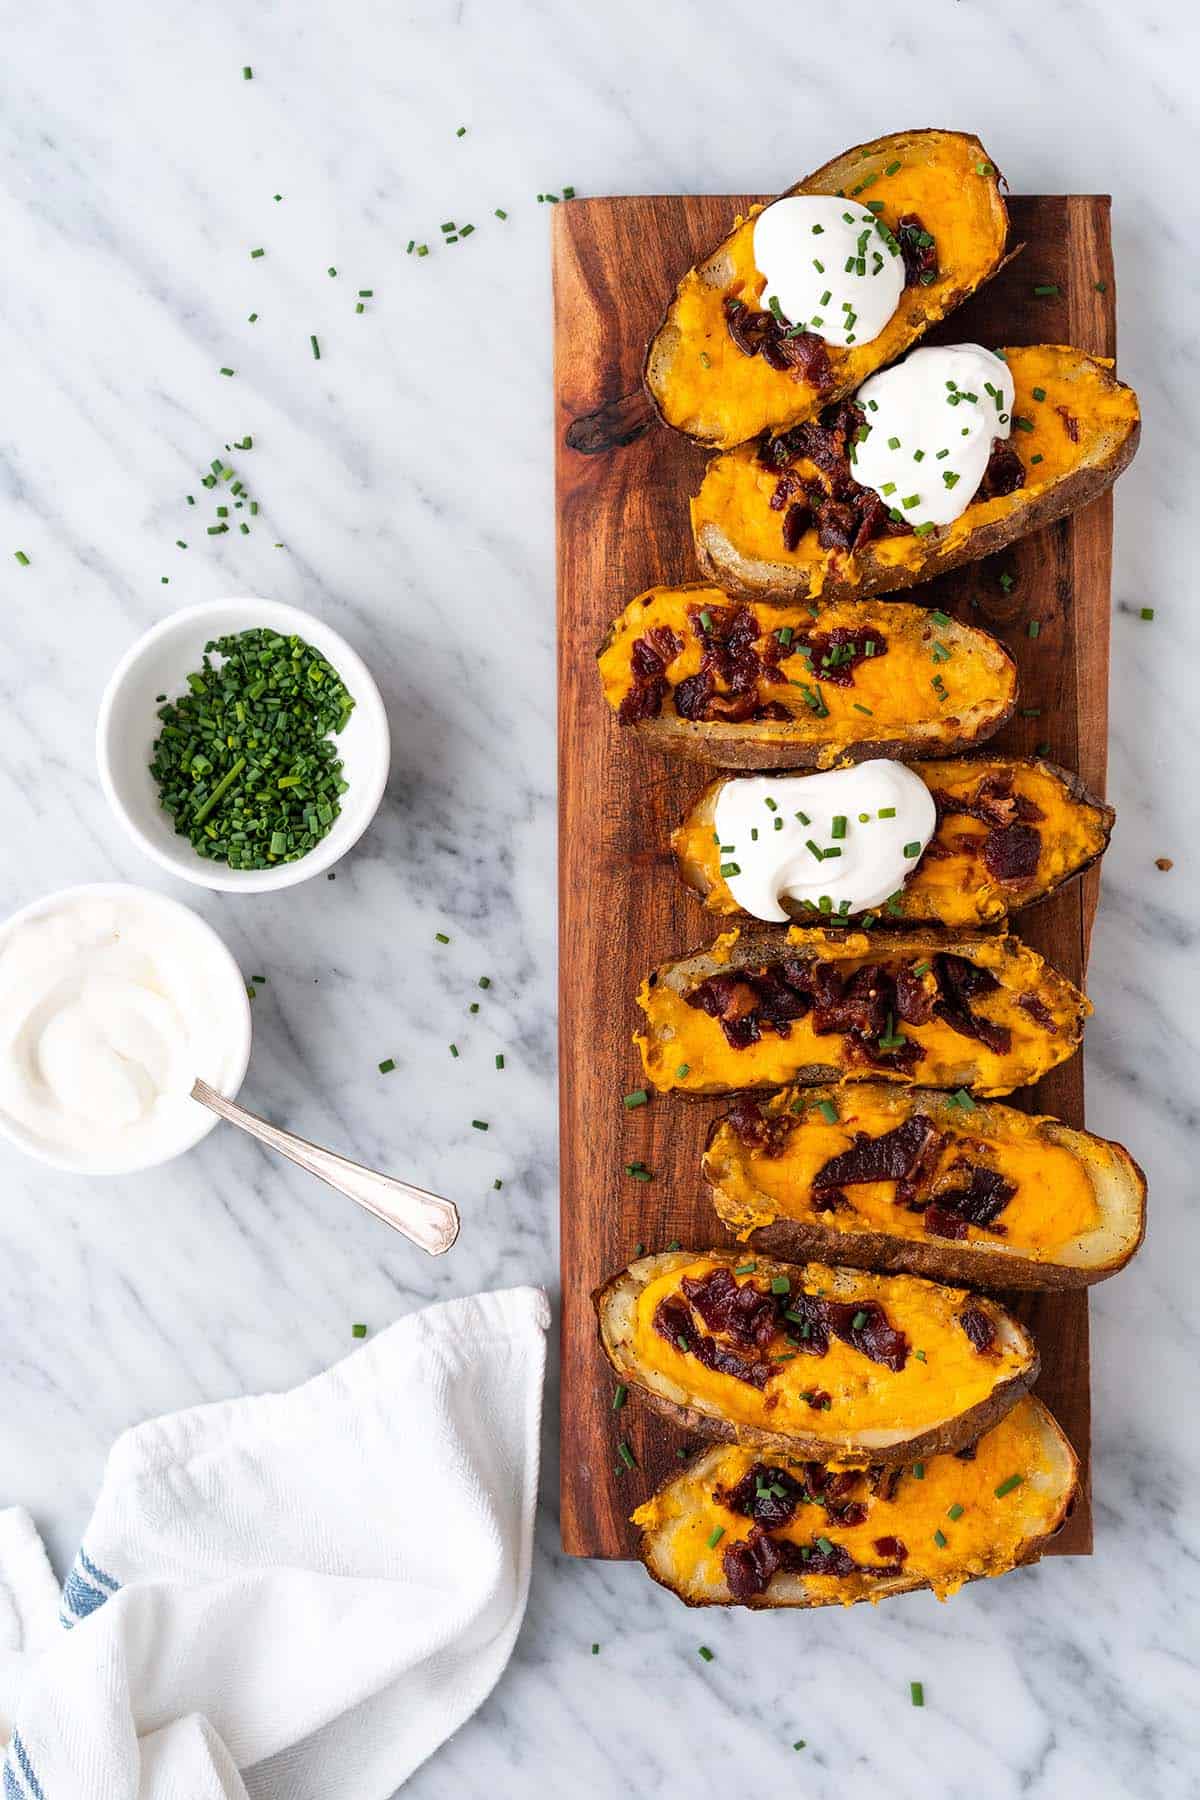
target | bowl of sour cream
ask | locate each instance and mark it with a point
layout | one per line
(113, 999)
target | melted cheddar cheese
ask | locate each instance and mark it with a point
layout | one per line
(1081, 395)
(887, 694)
(986, 1535)
(1055, 1202)
(683, 1047)
(716, 392)
(864, 1396)
(950, 885)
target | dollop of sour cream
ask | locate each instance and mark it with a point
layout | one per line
(109, 1010)
(830, 266)
(930, 422)
(850, 836)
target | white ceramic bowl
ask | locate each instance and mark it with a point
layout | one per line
(224, 996)
(159, 663)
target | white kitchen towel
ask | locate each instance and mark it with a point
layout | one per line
(293, 1595)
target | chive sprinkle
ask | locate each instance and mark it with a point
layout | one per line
(919, 1471)
(828, 1111)
(916, 1690)
(715, 1536)
(358, 1331)
(316, 349)
(479, 1124)
(940, 1538)
(626, 1455)
(955, 1511)
(620, 1395)
(858, 1321)
(21, 558)
(440, 937)
(387, 1065)
(639, 1097)
(1006, 1487)
(1046, 287)
(705, 1653)
(247, 73)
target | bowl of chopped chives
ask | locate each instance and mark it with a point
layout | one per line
(243, 745)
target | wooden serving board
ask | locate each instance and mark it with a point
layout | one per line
(623, 485)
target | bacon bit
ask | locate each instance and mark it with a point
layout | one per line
(1011, 853)
(1005, 472)
(943, 1224)
(1038, 1010)
(979, 1328)
(648, 661)
(959, 981)
(1070, 422)
(920, 257)
(846, 514)
(893, 1156)
(1164, 863)
(804, 355)
(673, 1321)
(756, 1130)
(756, 1497)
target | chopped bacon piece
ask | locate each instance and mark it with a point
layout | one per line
(846, 514)
(765, 1494)
(893, 1156)
(982, 1200)
(750, 1565)
(978, 1327)
(1070, 422)
(834, 656)
(1005, 472)
(892, 1549)
(918, 250)
(673, 1321)
(874, 1335)
(1037, 1009)
(801, 353)
(742, 1310)
(1011, 852)
(959, 980)
(943, 1224)
(757, 1130)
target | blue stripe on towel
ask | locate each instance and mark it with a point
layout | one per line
(80, 1595)
(10, 1784)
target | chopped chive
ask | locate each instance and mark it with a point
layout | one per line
(21, 558)
(1147, 612)
(256, 253)
(639, 1097)
(955, 1511)
(387, 1065)
(916, 1691)
(918, 1470)
(746, 1268)
(479, 1124)
(454, 1049)
(1046, 287)
(859, 707)
(705, 1652)
(225, 371)
(858, 1321)
(824, 1544)
(1033, 629)
(913, 849)
(485, 981)
(440, 937)
(1006, 1487)
(500, 1059)
(461, 132)
(781, 1284)
(731, 868)
(681, 1071)
(886, 812)
(715, 1536)
(620, 1395)
(316, 349)
(940, 1538)
(837, 828)
(247, 73)
(500, 213)
(626, 1455)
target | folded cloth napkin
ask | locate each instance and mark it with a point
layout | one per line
(292, 1595)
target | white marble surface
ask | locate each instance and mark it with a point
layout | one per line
(408, 473)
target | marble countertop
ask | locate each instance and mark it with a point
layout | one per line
(405, 489)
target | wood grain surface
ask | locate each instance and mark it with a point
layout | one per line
(623, 485)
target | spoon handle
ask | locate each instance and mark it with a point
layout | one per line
(426, 1219)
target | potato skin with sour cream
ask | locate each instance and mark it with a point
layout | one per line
(699, 381)
(1083, 431)
(951, 884)
(1076, 1215)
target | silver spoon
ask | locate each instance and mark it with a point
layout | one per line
(426, 1219)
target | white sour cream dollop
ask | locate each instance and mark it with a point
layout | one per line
(829, 265)
(109, 1010)
(930, 424)
(870, 823)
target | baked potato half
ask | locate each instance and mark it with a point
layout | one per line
(1077, 428)
(702, 383)
(734, 1529)
(817, 1361)
(769, 1006)
(743, 685)
(929, 1183)
(1010, 832)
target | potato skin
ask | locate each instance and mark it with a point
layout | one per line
(694, 877)
(1121, 1190)
(948, 1436)
(831, 177)
(797, 1599)
(800, 744)
(724, 564)
(758, 944)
